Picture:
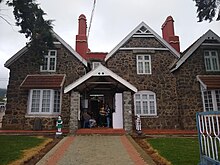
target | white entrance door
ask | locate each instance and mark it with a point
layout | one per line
(118, 115)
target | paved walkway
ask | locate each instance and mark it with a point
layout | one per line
(95, 150)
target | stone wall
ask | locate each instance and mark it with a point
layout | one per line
(74, 110)
(188, 88)
(161, 81)
(127, 113)
(16, 109)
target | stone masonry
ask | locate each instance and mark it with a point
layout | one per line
(16, 115)
(127, 106)
(161, 81)
(189, 91)
(74, 110)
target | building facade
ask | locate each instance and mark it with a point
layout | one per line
(144, 74)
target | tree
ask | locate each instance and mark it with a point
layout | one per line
(208, 9)
(29, 17)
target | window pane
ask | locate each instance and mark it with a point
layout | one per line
(140, 67)
(206, 53)
(138, 107)
(211, 60)
(214, 63)
(151, 97)
(208, 64)
(35, 102)
(145, 107)
(56, 101)
(152, 108)
(45, 63)
(52, 53)
(217, 94)
(46, 101)
(144, 96)
(147, 67)
(208, 100)
(145, 103)
(146, 57)
(137, 96)
(140, 57)
(49, 63)
(52, 63)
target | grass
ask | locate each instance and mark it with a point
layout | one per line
(179, 151)
(12, 147)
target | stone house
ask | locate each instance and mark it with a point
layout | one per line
(144, 74)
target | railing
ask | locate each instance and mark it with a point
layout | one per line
(209, 137)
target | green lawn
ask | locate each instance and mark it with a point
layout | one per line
(179, 151)
(11, 147)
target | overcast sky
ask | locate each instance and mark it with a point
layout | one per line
(112, 21)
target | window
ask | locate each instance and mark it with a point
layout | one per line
(145, 103)
(44, 101)
(211, 61)
(95, 64)
(49, 62)
(211, 100)
(143, 64)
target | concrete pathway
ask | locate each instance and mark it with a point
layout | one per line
(95, 150)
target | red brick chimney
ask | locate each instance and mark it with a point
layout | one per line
(169, 34)
(81, 38)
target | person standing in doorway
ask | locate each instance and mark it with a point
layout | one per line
(108, 115)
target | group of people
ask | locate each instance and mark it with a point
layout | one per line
(104, 118)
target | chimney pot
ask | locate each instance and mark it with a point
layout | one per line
(169, 34)
(81, 38)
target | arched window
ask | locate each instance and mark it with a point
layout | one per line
(145, 103)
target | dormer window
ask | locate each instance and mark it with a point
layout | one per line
(211, 60)
(49, 62)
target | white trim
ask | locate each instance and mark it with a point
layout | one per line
(140, 48)
(51, 106)
(209, 34)
(146, 92)
(213, 99)
(99, 71)
(210, 44)
(210, 58)
(201, 82)
(143, 61)
(16, 56)
(70, 48)
(143, 36)
(25, 49)
(161, 40)
(49, 57)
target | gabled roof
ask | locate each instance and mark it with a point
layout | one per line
(99, 71)
(25, 49)
(50, 81)
(209, 35)
(148, 31)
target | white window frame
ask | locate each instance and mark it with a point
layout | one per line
(144, 63)
(40, 102)
(48, 57)
(210, 60)
(147, 101)
(212, 103)
(95, 64)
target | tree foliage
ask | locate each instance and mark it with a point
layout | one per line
(30, 18)
(208, 9)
